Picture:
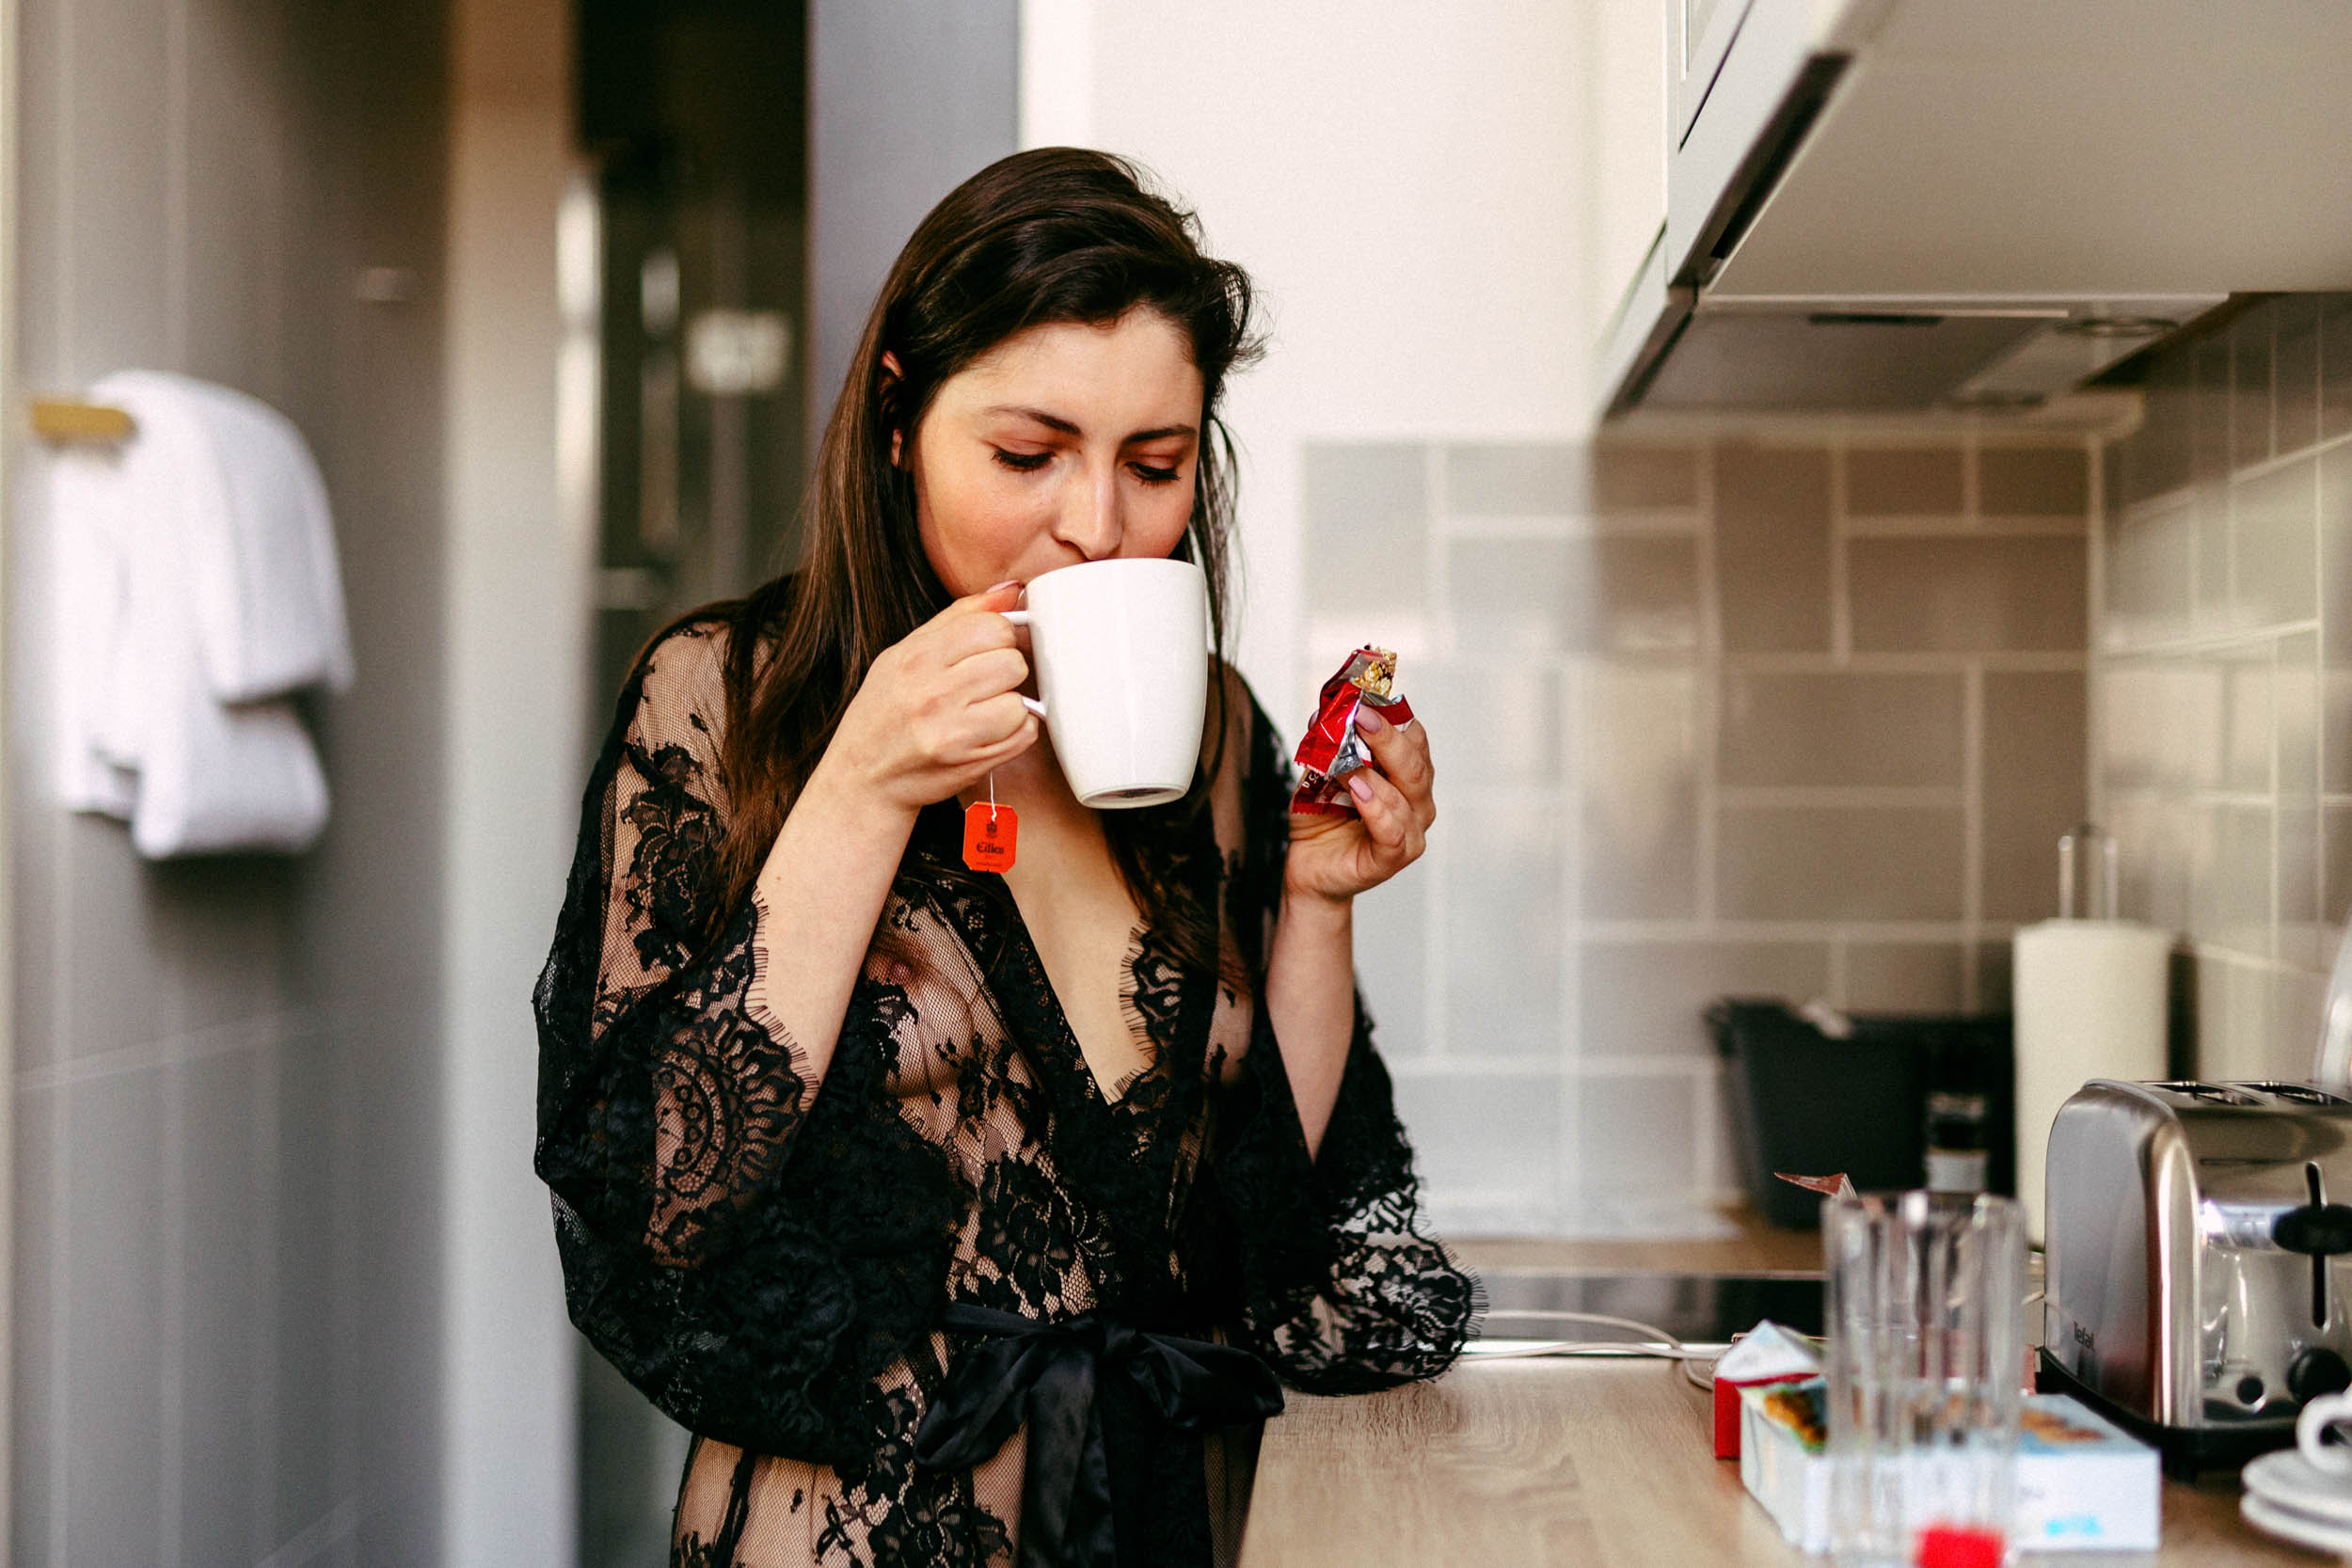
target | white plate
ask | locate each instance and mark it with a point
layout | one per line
(2291, 1481)
(2319, 1535)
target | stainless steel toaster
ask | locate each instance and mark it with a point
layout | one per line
(2198, 1281)
(2198, 1285)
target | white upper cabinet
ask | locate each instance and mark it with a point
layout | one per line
(1907, 204)
(1747, 80)
(1698, 35)
(1630, 86)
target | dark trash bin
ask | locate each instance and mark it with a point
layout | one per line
(1813, 1105)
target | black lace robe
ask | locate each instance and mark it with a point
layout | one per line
(768, 1258)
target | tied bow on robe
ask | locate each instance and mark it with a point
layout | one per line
(1044, 1374)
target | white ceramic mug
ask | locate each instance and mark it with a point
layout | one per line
(1121, 653)
(2310, 1433)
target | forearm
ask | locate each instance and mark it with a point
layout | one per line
(820, 892)
(1311, 1002)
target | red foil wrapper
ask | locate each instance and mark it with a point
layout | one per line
(1841, 1185)
(1331, 749)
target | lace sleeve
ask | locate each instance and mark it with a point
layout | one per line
(667, 1095)
(1344, 1290)
(751, 1253)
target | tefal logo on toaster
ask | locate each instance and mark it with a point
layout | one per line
(2083, 1337)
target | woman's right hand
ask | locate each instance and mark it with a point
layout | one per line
(940, 709)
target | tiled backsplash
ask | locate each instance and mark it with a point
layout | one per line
(1734, 718)
(2224, 661)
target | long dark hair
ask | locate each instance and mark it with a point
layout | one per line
(1056, 234)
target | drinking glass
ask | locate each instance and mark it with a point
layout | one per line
(1926, 1320)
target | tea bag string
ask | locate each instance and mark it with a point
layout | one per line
(992, 799)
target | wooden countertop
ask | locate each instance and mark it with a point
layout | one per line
(1603, 1463)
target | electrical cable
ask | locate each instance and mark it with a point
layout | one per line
(1655, 1342)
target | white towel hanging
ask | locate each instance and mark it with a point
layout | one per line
(258, 539)
(198, 586)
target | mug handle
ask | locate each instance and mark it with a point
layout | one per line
(2310, 1432)
(1021, 618)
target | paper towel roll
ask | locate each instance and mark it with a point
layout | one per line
(2090, 999)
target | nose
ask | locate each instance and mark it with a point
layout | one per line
(1091, 519)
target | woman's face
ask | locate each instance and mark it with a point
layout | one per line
(1065, 443)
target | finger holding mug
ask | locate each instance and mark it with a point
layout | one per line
(939, 709)
(2329, 1414)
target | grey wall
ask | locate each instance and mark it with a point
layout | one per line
(907, 98)
(1799, 716)
(226, 1129)
(2224, 663)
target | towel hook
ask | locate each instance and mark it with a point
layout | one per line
(67, 420)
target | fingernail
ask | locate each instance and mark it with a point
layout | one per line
(1370, 721)
(998, 588)
(1359, 786)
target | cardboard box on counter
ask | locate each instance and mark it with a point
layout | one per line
(2082, 1483)
(1781, 1462)
(1767, 1354)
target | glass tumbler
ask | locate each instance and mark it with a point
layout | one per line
(1926, 1321)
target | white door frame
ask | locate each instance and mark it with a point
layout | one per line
(517, 622)
(11, 410)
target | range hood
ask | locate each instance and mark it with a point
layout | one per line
(1884, 205)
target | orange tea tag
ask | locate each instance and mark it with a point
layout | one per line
(991, 834)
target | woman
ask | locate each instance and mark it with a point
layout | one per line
(952, 1211)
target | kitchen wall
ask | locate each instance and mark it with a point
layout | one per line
(1724, 716)
(2223, 663)
(1401, 184)
(226, 1337)
(1801, 719)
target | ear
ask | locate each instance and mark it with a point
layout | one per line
(892, 374)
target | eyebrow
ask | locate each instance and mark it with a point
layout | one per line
(1055, 421)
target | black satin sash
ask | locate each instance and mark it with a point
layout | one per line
(1045, 1373)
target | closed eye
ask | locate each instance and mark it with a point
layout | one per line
(1023, 462)
(1150, 475)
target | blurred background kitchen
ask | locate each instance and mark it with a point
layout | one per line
(1785, 685)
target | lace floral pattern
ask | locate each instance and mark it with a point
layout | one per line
(768, 1256)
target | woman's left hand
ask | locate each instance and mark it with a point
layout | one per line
(1338, 857)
